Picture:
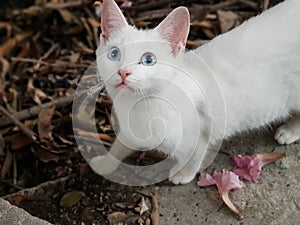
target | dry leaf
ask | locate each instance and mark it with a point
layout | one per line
(6, 26)
(116, 218)
(36, 93)
(14, 96)
(93, 22)
(20, 142)
(8, 46)
(67, 16)
(121, 205)
(45, 156)
(155, 208)
(39, 2)
(227, 20)
(25, 51)
(17, 200)
(70, 199)
(44, 123)
(84, 170)
(143, 206)
(4, 65)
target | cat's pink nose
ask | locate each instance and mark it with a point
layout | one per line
(124, 74)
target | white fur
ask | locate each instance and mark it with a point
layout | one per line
(256, 68)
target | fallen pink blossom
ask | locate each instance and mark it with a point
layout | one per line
(126, 4)
(208, 180)
(249, 167)
(225, 181)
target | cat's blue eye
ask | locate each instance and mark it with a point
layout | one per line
(114, 54)
(148, 59)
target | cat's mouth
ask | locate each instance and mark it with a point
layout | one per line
(122, 85)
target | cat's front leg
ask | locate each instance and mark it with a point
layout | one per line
(185, 175)
(289, 132)
(190, 168)
(106, 164)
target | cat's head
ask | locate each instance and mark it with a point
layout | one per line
(134, 61)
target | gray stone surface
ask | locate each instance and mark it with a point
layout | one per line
(273, 200)
(12, 215)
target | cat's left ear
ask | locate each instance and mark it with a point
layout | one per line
(112, 19)
(175, 29)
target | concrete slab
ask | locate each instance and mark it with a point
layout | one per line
(12, 215)
(273, 200)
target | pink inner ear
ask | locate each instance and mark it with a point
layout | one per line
(112, 18)
(175, 29)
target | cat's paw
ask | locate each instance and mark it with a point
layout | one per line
(287, 134)
(181, 178)
(104, 165)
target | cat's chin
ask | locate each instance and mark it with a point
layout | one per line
(123, 87)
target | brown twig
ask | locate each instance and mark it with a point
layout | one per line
(49, 52)
(15, 121)
(153, 14)
(37, 61)
(222, 5)
(103, 137)
(34, 111)
(15, 170)
(266, 5)
(63, 5)
(150, 5)
(249, 3)
(6, 164)
(155, 208)
(34, 10)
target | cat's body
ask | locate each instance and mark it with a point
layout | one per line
(244, 79)
(258, 68)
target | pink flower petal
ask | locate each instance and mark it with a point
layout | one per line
(208, 180)
(244, 161)
(126, 4)
(249, 167)
(227, 181)
(269, 157)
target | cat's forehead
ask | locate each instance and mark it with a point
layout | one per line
(132, 37)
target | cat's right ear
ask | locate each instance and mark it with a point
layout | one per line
(112, 18)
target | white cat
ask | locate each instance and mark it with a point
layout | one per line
(166, 98)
